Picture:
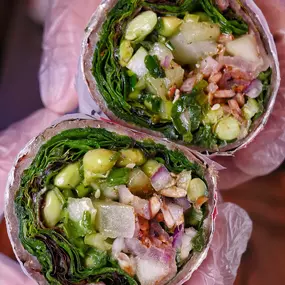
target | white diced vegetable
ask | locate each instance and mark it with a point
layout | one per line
(141, 26)
(245, 47)
(115, 219)
(186, 53)
(150, 271)
(77, 207)
(228, 128)
(136, 64)
(250, 108)
(200, 31)
(161, 51)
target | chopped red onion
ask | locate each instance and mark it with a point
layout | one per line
(254, 89)
(209, 65)
(118, 246)
(188, 84)
(161, 178)
(166, 61)
(157, 231)
(125, 195)
(141, 207)
(182, 202)
(177, 237)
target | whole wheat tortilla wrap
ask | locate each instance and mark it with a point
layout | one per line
(91, 202)
(201, 73)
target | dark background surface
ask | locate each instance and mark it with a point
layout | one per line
(263, 198)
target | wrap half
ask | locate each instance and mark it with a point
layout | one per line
(202, 73)
(90, 202)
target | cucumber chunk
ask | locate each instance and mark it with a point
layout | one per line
(98, 241)
(168, 25)
(137, 64)
(68, 177)
(245, 47)
(250, 108)
(196, 189)
(228, 129)
(150, 167)
(141, 26)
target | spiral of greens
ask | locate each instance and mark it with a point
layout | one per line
(59, 250)
(113, 81)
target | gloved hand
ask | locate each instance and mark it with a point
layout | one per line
(65, 23)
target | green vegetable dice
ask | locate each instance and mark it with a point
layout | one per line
(68, 177)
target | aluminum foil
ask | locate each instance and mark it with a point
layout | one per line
(91, 100)
(29, 264)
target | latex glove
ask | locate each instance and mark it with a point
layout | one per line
(13, 139)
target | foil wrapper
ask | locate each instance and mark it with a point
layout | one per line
(29, 263)
(91, 101)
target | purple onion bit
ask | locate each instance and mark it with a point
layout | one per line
(177, 237)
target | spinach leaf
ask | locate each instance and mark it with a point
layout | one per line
(61, 251)
(118, 176)
(152, 102)
(265, 78)
(199, 241)
(205, 137)
(235, 25)
(153, 66)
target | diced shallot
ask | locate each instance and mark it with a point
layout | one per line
(157, 231)
(188, 84)
(118, 246)
(125, 195)
(177, 237)
(162, 179)
(127, 263)
(172, 213)
(209, 66)
(154, 205)
(183, 202)
(254, 89)
(212, 88)
(141, 207)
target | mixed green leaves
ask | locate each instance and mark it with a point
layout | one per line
(61, 251)
(265, 78)
(229, 25)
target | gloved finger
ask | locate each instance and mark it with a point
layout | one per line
(232, 232)
(64, 31)
(11, 273)
(14, 138)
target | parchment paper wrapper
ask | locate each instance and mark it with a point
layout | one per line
(91, 101)
(29, 264)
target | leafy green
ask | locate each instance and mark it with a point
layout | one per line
(205, 137)
(153, 65)
(199, 240)
(235, 25)
(265, 78)
(61, 250)
(187, 112)
(152, 102)
(118, 176)
(79, 229)
(96, 258)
